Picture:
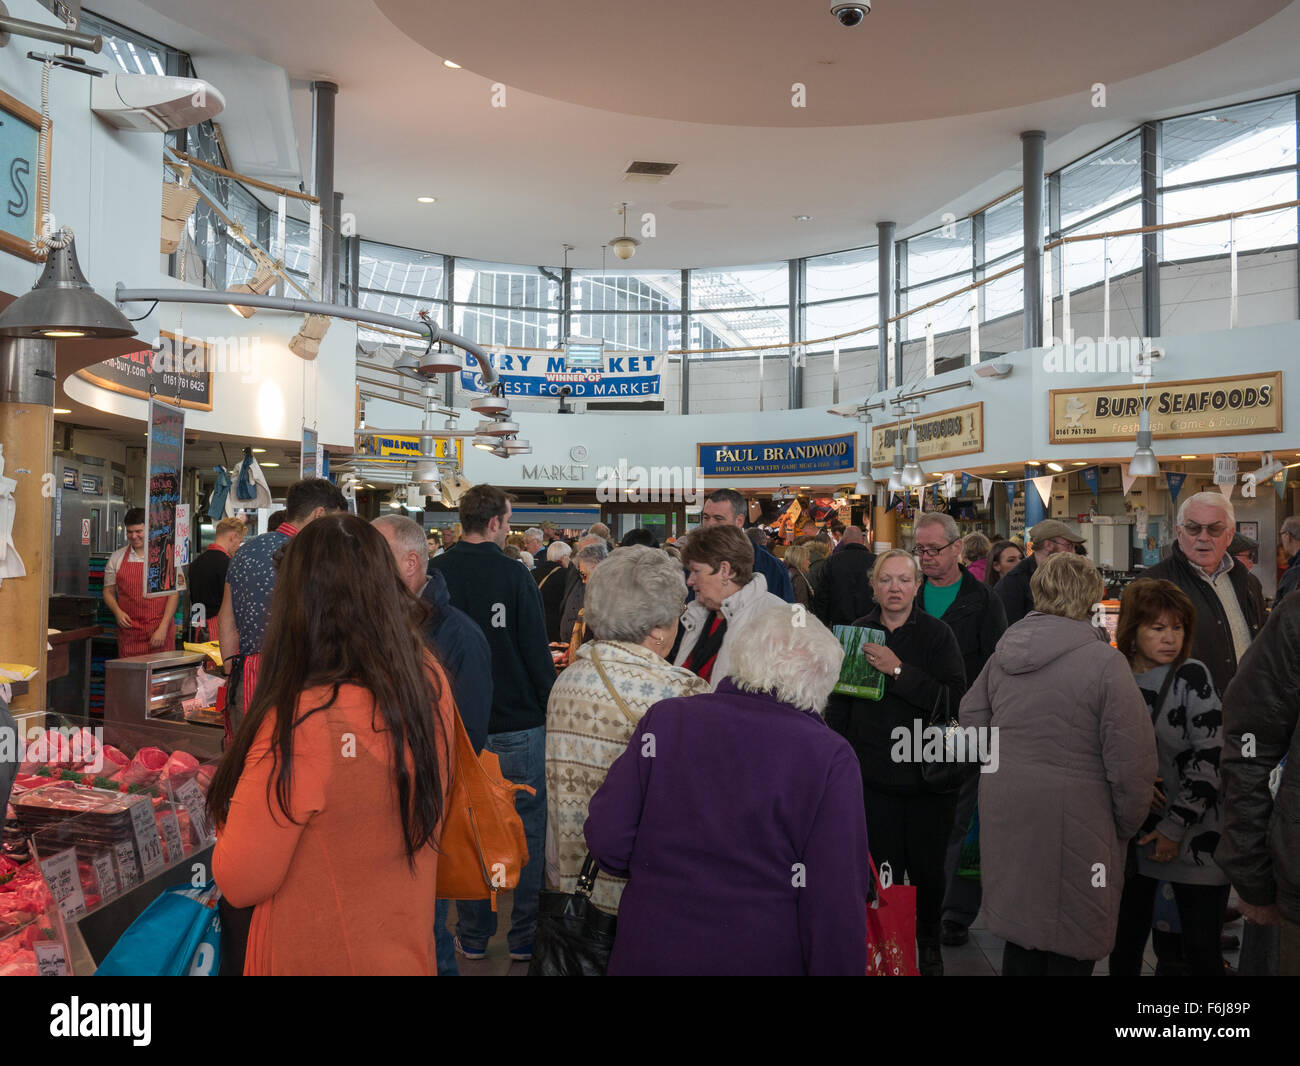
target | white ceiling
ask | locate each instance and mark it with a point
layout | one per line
(918, 113)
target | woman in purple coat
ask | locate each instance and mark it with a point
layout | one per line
(737, 817)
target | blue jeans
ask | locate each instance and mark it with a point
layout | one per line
(523, 761)
(443, 941)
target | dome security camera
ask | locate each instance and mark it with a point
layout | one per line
(850, 14)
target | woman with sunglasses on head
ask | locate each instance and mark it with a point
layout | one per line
(330, 801)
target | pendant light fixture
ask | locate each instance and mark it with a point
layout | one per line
(896, 478)
(624, 247)
(62, 303)
(1144, 462)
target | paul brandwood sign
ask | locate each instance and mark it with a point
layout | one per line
(531, 373)
(808, 455)
(1216, 407)
(942, 435)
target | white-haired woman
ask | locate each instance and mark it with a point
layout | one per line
(1076, 768)
(633, 601)
(549, 576)
(924, 681)
(738, 816)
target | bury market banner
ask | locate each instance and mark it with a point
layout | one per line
(163, 462)
(624, 375)
(810, 455)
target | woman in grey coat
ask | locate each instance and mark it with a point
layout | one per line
(1176, 845)
(1072, 782)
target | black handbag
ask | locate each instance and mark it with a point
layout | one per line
(949, 774)
(574, 937)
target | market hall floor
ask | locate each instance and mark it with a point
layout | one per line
(981, 956)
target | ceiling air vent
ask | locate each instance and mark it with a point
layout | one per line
(649, 173)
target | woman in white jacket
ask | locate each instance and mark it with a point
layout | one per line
(720, 560)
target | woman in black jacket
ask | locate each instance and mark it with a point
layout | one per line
(907, 823)
(550, 577)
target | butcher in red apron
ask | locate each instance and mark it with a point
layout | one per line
(144, 624)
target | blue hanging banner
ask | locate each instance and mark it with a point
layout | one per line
(1035, 509)
(1175, 482)
(1092, 478)
(965, 482)
(1011, 491)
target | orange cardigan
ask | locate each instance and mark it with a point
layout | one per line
(333, 894)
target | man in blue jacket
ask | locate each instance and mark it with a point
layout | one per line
(500, 596)
(727, 507)
(463, 652)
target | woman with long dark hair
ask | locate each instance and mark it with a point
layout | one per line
(1003, 557)
(330, 800)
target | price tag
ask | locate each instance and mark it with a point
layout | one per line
(106, 875)
(51, 959)
(145, 828)
(192, 796)
(128, 870)
(65, 884)
(172, 835)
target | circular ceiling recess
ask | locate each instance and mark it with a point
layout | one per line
(742, 62)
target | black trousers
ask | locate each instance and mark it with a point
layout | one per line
(1023, 962)
(911, 834)
(1200, 911)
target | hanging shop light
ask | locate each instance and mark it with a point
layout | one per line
(518, 447)
(262, 282)
(178, 203)
(501, 426)
(437, 360)
(490, 404)
(1144, 459)
(62, 302)
(484, 443)
(306, 342)
(407, 363)
(624, 247)
(896, 477)
(913, 475)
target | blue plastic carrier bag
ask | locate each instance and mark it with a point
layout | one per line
(178, 935)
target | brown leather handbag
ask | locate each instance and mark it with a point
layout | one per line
(482, 850)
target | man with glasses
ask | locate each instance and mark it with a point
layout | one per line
(1289, 538)
(1048, 537)
(1228, 599)
(977, 619)
(727, 507)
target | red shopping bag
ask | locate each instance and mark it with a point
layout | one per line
(891, 927)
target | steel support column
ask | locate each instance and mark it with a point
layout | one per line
(1033, 146)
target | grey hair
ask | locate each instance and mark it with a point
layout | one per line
(951, 531)
(1291, 527)
(533, 533)
(408, 533)
(636, 589)
(1209, 499)
(592, 553)
(586, 540)
(557, 551)
(788, 654)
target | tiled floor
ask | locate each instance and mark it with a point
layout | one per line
(981, 956)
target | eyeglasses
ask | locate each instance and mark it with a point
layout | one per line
(1193, 529)
(930, 553)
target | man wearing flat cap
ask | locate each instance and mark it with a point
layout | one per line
(1048, 537)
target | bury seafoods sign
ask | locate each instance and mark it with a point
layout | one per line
(625, 375)
(811, 455)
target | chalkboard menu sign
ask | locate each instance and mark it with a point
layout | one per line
(183, 375)
(166, 445)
